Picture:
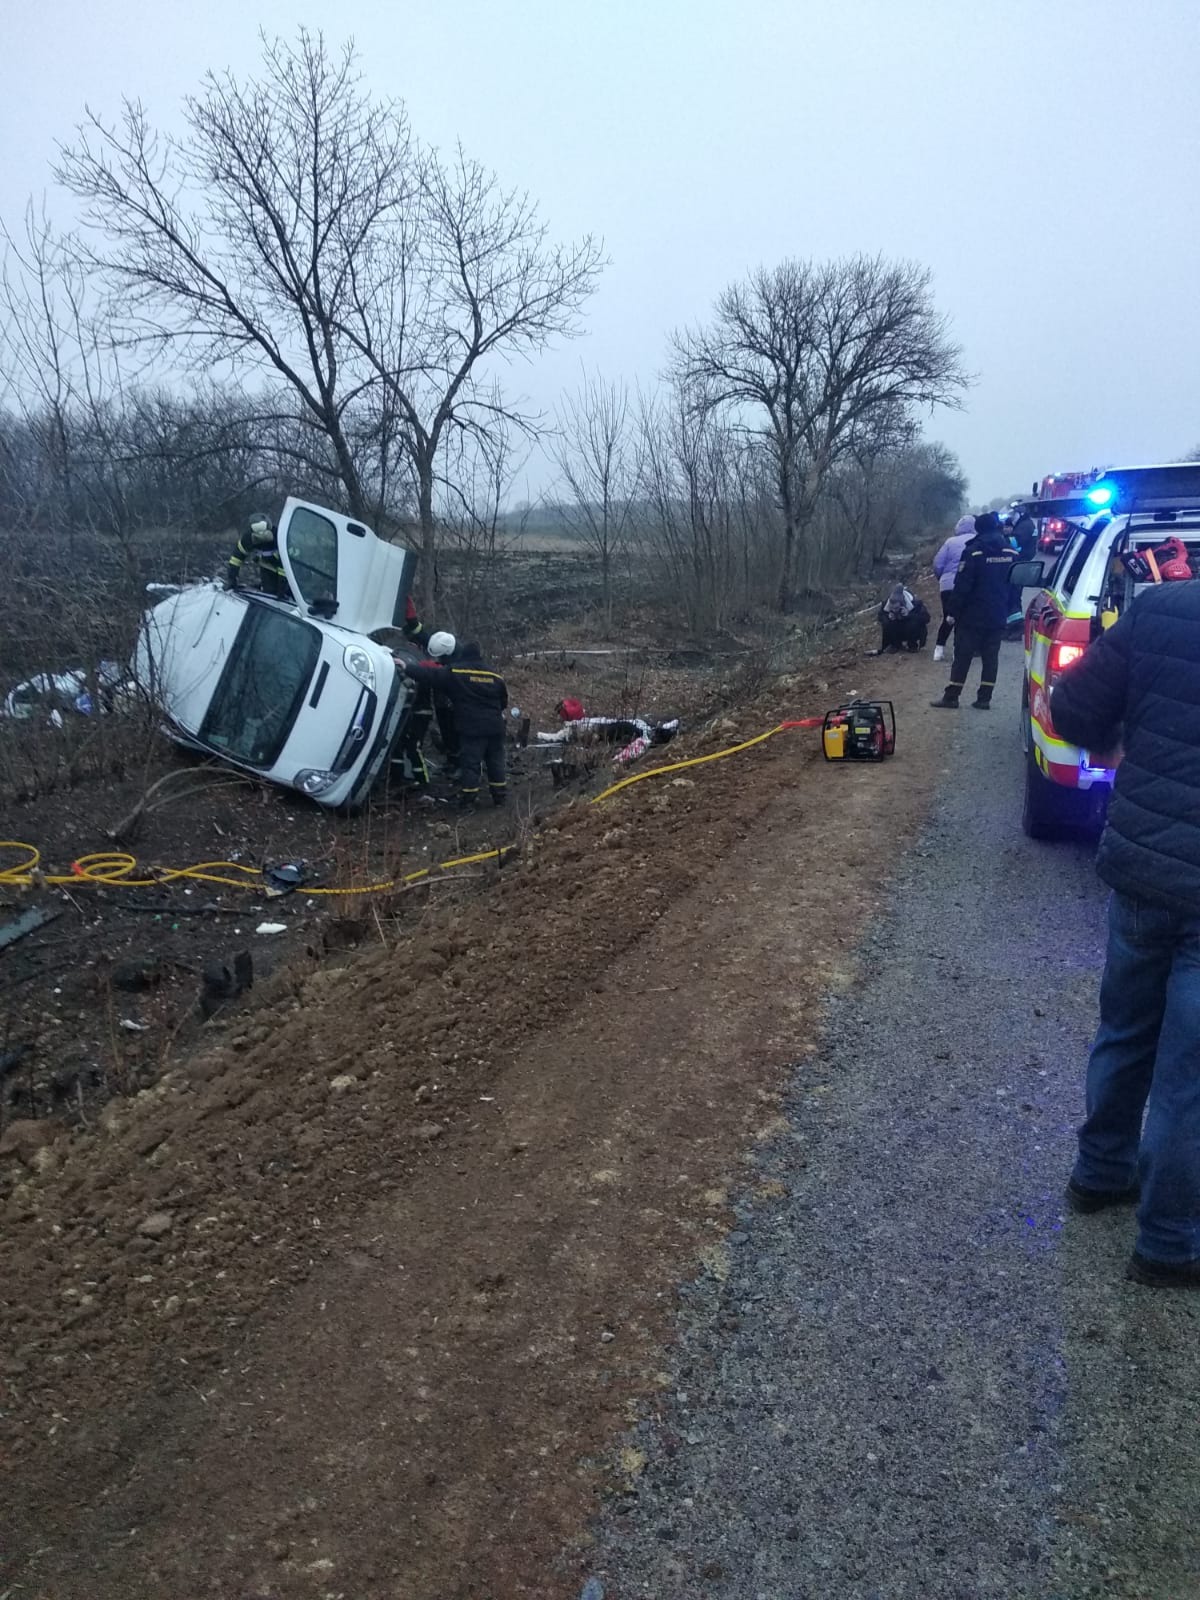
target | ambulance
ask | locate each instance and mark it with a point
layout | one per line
(1129, 529)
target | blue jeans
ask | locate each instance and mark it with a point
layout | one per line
(1146, 1061)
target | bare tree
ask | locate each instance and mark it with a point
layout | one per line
(473, 275)
(597, 458)
(299, 233)
(812, 357)
(877, 500)
(68, 389)
(687, 507)
(239, 243)
(476, 534)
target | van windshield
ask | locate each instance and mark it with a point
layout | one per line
(262, 687)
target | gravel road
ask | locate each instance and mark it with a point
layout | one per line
(916, 1379)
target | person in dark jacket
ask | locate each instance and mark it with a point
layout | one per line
(1138, 686)
(982, 601)
(440, 648)
(435, 705)
(1024, 531)
(903, 622)
(479, 697)
(258, 543)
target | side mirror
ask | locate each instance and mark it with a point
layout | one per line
(1027, 574)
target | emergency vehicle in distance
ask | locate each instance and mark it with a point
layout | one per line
(1052, 530)
(1132, 527)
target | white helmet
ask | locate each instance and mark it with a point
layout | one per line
(442, 644)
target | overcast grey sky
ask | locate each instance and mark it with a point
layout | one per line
(1039, 155)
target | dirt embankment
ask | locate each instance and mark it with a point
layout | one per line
(103, 998)
(346, 1305)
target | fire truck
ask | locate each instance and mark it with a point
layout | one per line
(1052, 529)
(1128, 529)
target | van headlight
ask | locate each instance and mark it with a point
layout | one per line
(311, 780)
(356, 660)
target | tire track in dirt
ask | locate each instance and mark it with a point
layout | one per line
(396, 1357)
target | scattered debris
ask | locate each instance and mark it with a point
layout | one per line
(284, 878)
(56, 692)
(271, 927)
(28, 922)
(131, 1026)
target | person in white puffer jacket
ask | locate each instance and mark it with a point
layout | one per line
(945, 565)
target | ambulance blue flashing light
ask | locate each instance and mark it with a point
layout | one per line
(1101, 495)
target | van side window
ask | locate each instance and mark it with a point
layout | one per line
(1074, 559)
(312, 550)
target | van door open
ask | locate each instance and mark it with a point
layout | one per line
(341, 571)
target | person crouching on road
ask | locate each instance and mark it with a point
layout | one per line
(1138, 685)
(945, 565)
(980, 604)
(903, 622)
(479, 697)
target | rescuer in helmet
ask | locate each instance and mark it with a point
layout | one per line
(440, 647)
(440, 706)
(258, 543)
(479, 697)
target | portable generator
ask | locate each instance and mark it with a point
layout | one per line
(864, 730)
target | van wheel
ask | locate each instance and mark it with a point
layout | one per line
(1047, 812)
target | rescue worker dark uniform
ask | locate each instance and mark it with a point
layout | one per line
(258, 543)
(415, 729)
(428, 704)
(982, 600)
(479, 697)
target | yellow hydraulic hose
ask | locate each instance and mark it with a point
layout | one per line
(114, 869)
(698, 761)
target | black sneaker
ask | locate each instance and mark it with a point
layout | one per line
(1163, 1274)
(1088, 1201)
(981, 705)
(944, 705)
